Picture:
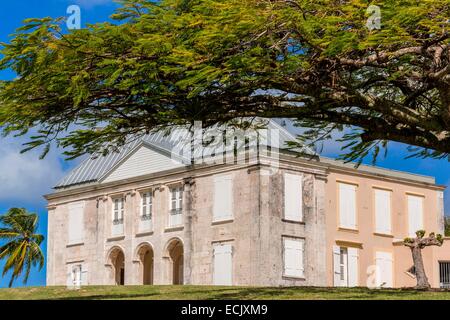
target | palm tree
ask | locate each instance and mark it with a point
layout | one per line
(22, 250)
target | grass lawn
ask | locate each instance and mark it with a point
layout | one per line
(215, 293)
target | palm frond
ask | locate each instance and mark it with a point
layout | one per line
(22, 252)
(7, 233)
(14, 261)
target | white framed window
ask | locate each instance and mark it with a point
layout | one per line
(176, 206)
(118, 213)
(76, 223)
(415, 214)
(347, 205)
(343, 265)
(293, 197)
(293, 257)
(383, 211)
(147, 205)
(146, 217)
(346, 267)
(77, 275)
(223, 198)
(223, 264)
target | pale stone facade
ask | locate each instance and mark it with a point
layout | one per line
(254, 234)
(255, 231)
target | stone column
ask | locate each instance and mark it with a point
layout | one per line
(129, 235)
(50, 247)
(315, 227)
(254, 225)
(100, 274)
(265, 236)
(160, 215)
(188, 249)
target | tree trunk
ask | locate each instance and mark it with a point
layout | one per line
(421, 277)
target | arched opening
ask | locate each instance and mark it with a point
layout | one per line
(176, 257)
(145, 254)
(117, 260)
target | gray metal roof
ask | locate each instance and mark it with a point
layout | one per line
(94, 168)
(374, 170)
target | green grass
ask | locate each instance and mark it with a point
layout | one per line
(216, 293)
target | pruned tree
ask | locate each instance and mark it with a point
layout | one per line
(172, 62)
(416, 245)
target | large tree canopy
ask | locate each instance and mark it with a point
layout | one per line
(172, 62)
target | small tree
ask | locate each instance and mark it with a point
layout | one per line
(22, 248)
(416, 245)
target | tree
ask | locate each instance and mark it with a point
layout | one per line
(416, 245)
(22, 250)
(172, 62)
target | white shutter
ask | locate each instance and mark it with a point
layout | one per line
(69, 278)
(347, 205)
(353, 270)
(74, 275)
(122, 208)
(293, 258)
(84, 275)
(223, 198)
(144, 203)
(223, 265)
(118, 208)
(293, 197)
(384, 264)
(76, 221)
(336, 266)
(415, 214)
(383, 211)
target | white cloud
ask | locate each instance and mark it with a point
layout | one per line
(23, 177)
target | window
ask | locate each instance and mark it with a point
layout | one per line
(383, 211)
(347, 206)
(76, 275)
(293, 250)
(76, 232)
(384, 269)
(223, 198)
(293, 197)
(343, 265)
(444, 274)
(176, 207)
(147, 205)
(415, 214)
(118, 210)
(118, 214)
(346, 267)
(145, 221)
(223, 265)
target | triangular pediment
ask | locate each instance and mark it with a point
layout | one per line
(142, 161)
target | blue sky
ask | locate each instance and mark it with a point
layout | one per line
(24, 178)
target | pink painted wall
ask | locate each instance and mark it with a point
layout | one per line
(365, 236)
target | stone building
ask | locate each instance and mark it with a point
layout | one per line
(143, 215)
